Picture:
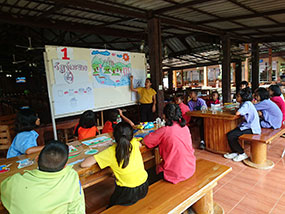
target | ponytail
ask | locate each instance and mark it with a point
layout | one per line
(123, 134)
(173, 113)
(123, 151)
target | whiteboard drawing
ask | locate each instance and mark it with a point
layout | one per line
(76, 97)
(70, 71)
(110, 68)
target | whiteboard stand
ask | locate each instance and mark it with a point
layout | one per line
(51, 101)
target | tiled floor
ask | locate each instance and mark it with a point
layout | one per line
(248, 190)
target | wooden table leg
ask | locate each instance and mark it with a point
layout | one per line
(259, 156)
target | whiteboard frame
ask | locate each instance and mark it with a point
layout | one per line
(51, 98)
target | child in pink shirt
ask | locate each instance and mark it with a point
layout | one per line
(183, 107)
(275, 94)
(175, 146)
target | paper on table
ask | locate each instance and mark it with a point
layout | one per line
(75, 162)
(97, 140)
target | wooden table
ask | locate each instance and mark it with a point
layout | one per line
(88, 176)
(216, 126)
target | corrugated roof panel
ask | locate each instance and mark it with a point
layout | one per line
(125, 28)
(21, 3)
(255, 21)
(176, 45)
(245, 31)
(277, 29)
(175, 31)
(279, 17)
(223, 25)
(222, 8)
(262, 6)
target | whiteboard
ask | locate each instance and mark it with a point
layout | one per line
(79, 79)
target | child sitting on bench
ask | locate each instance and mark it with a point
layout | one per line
(250, 125)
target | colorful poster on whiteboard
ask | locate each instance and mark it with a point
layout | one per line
(110, 68)
(73, 98)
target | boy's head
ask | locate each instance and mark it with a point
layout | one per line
(148, 83)
(26, 120)
(193, 94)
(178, 99)
(244, 95)
(261, 94)
(243, 84)
(215, 95)
(274, 90)
(113, 115)
(53, 157)
(87, 119)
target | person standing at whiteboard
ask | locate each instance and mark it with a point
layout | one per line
(147, 99)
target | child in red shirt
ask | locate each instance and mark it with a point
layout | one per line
(214, 99)
(275, 94)
(87, 126)
(175, 146)
(114, 118)
(183, 107)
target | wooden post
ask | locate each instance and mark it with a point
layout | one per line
(246, 65)
(205, 76)
(226, 73)
(238, 74)
(182, 77)
(270, 65)
(155, 60)
(255, 65)
(170, 79)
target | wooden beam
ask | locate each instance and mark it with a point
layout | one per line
(252, 10)
(255, 65)
(270, 64)
(155, 60)
(238, 74)
(170, 79)
(67, 26)
(226, 70)
(105, 7)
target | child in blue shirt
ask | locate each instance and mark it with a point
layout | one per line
(250, 125)
(270, 114)
(25, 141)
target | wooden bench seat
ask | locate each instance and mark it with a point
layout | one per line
(164, 197)
(258, 147)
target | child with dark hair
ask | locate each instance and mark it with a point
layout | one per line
(175, 146)
(214, 99)
(53, 188)
(114, 117)
(195, 104)
(270, 114)
(275, 96)
(25, 141)
(184, 108)
(125, 160)
(250, 125)
(87, 126)
(147, 100)
(243, 84)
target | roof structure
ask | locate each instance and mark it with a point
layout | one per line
(191, 29)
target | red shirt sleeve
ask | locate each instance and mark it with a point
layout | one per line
(154, 138)
(107, 127)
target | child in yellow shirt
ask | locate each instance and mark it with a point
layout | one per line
(125, 160)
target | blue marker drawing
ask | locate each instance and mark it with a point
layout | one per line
(120, 56)
(105, 53)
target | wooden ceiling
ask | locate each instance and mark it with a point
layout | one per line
(191, 30)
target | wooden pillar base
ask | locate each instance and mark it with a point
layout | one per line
(268, 164)
(258, 158)
(205, 205)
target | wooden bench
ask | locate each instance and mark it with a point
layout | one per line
(258, 147)
(164, 197)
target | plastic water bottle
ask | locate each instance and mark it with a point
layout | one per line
(158, 122)
(119, 119)
(204, 109)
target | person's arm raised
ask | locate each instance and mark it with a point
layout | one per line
(132, 86)
(154, 103)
